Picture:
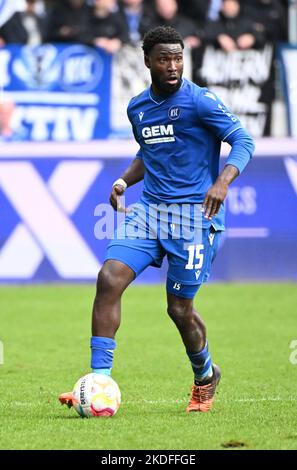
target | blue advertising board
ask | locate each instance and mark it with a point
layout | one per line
(54, 92)
(51, 208)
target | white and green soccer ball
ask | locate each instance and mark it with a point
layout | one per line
(96, 395)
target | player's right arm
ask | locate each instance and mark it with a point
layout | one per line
(132, 175)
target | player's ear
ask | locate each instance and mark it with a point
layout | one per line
(147, 61)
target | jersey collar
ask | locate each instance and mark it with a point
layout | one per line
(159, 99)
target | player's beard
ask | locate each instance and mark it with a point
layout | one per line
(163, 87)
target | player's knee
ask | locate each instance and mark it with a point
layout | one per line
(184, 315)
(179, 312)
(107, 282)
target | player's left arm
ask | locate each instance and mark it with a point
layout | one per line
(227, 127)
(216, 195)
(241, 153)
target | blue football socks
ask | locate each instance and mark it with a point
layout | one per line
(102, 354)
(201, 364)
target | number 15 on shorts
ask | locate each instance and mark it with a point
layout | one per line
(195, 258)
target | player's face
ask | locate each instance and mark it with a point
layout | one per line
(165, 62)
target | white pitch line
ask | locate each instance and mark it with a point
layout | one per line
(171, 402)
(185, 400)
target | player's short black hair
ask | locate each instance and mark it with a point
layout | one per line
(161, 35)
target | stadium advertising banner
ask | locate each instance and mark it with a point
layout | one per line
(288, 61)
(54, 93)
(243, 79)
(56, 220)
(69, 93)
(79, 93)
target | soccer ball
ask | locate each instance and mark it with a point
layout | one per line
(96, 395)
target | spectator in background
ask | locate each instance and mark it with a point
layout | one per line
(269, 17)
(167, 15)
(108, 30)
(137, 18)
(197, 10)
(234, 30)
(25, 27)
(70, 21)
(214, 9)
(8, 8)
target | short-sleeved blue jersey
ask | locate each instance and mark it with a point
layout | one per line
(180, 139)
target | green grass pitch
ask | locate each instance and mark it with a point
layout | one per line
(45, 333)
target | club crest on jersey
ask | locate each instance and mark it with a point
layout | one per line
(174, 112)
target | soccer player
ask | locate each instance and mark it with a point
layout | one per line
(179, 127)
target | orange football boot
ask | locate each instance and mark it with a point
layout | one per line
(203, 395)
(66, 399)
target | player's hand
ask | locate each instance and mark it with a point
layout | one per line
(115, 198)
(214, 197)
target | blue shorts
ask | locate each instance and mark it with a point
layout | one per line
(150, 233)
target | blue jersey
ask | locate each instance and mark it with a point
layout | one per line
(180, 139)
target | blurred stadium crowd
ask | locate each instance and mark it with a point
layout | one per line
(211, 29)
(227, 24)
